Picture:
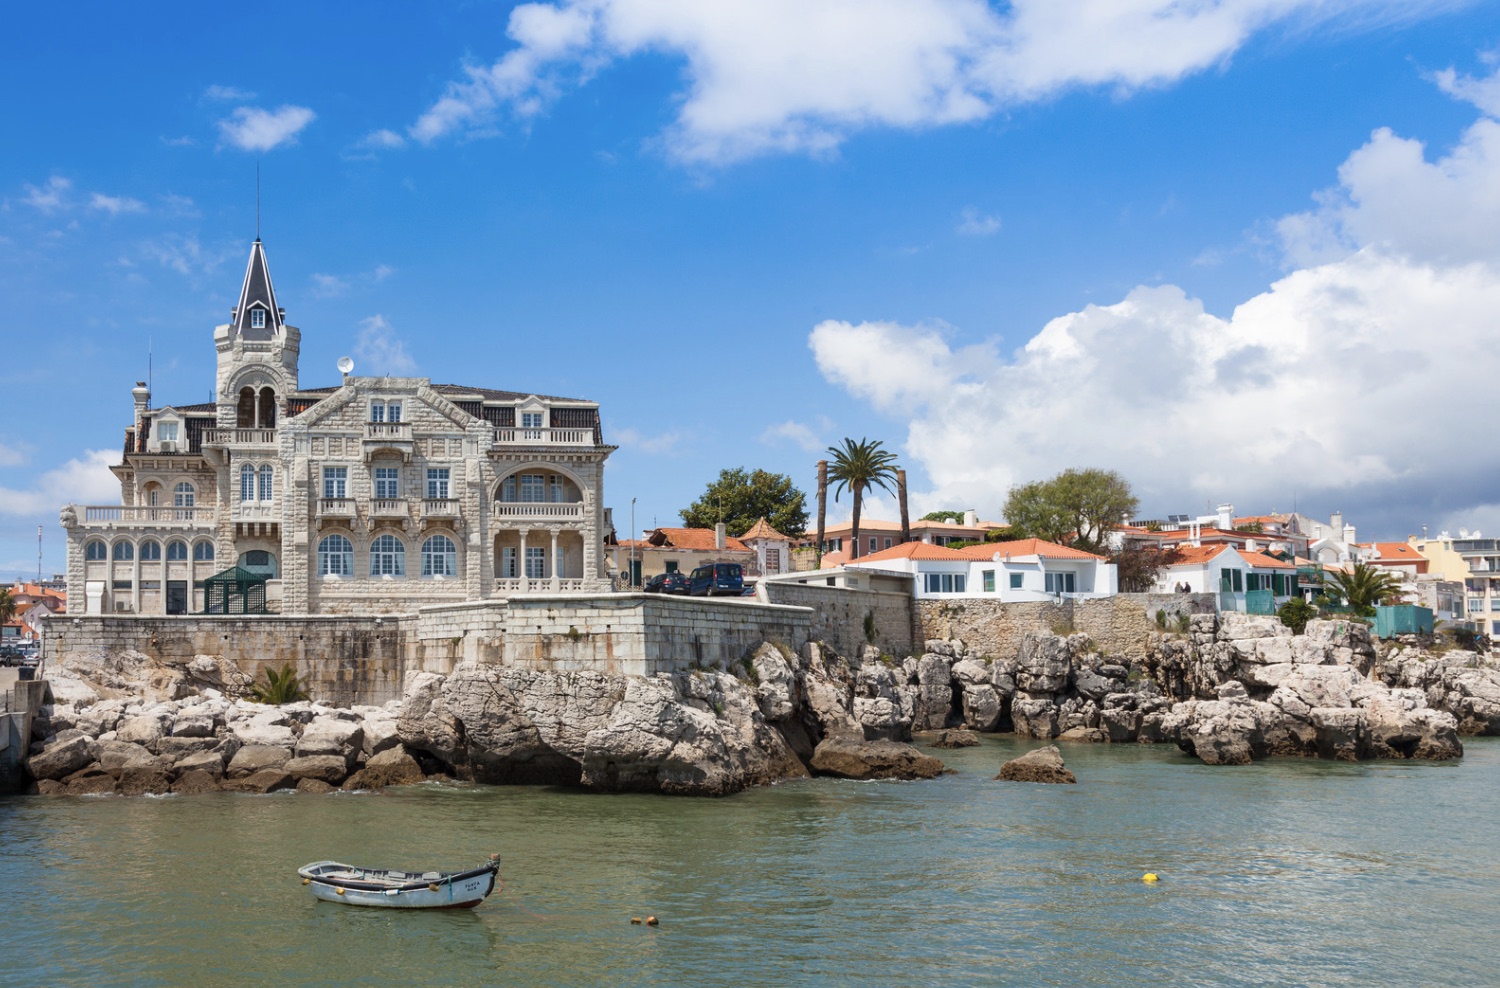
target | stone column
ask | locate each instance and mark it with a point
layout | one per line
(521, 562)
(556, 576)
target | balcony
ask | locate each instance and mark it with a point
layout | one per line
(541, 584)
(336, 507)
(539, 510)
(446, 507)
(239, 437)
(544, 437)
(382, 431)
(120, 515)
(383, 507)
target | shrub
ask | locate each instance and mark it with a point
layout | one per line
(870, 628)
(1184, 622)
(279, 687)
(1295, 614)
(1161, 618)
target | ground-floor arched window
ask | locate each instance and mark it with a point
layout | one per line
(439, 557)
(203, 552)
(95, 551)
(387, 556)
(176, 551)
(150, 550)
(124, 551)
(335, 556)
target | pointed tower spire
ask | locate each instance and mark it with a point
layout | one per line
(257, 317)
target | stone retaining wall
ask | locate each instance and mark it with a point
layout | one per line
(1120, 625)
(347, 660)
(838, 616)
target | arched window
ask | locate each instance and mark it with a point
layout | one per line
(203, 552)
(266, 474)
(176, 551)
(153, 495)
(387, 557)
(336, 556)
(150, 551)
(267, 409)
(247, 483)
(244, 410)
(95, 551)
(124, 551)
(439, 557)
(184, 494)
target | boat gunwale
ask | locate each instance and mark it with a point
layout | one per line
(360, 885)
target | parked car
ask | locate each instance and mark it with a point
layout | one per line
(717, 580)
(667, 583)
(11, 656)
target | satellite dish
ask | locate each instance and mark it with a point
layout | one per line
(346, 365)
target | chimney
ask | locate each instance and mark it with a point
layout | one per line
(1226, 517)
(142, 396)
(1337, 523)
(719, 536)
(1348, 534)
(971, 518)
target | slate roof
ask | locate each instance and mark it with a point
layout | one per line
(257, 293)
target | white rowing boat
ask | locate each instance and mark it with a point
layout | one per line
(333, 881)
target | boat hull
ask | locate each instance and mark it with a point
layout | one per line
(463, 890)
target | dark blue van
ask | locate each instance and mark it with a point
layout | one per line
(717, 580)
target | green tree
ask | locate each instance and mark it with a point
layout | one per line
(7, 605)
(956, 517)
(1363, 587)
(740, 498)
(1077, 508)
(856, 467)
(1295, 614)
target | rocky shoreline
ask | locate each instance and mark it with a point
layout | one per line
(1228, 690)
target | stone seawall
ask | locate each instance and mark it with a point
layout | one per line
(838, 616)
(1120, 625)
(347, 660)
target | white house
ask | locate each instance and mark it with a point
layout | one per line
(1229, 572)
(1023, 570)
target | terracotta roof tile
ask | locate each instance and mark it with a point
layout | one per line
(697, 539)
(1026, 547)
(762, 530)
(913, 550)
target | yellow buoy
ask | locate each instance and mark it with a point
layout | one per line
(635, 921)
(1149, 877)
(307, 881)
(651, 920)
(432, 887)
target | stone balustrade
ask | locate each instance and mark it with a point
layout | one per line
(543, 437)
(111, 515)
(538, 509)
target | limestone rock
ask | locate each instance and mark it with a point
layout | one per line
(210, 763)
(1033, 716)
(118, 757)
(144, 781)
(981, 706)
(331, 769)
(392, 767)
(141, 730)
(266, 780)
(253, 758)
(1041, 765)
(959, 738)
(62, 758)
(328, 735)
(849, 757)
(196, 781)
(314, 787)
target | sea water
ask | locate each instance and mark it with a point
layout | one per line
(1287, 872)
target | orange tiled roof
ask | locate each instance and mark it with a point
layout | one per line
(913, 550)
(696, 539)
(1025, 547)
(1395, 552)
(1263, 561)
(1197, 555)
(762, 530)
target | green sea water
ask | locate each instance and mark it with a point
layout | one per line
(1287, 872)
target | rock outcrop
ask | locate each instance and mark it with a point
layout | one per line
(1041, 765)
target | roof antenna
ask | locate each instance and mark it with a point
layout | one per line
(257, 199)
(148, 363)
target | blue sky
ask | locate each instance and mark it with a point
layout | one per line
(1245, 250)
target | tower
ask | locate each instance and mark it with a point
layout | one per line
(257, 353)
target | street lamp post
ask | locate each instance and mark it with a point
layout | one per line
(632, 544)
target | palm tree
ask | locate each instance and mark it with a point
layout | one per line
(7, 605)
(857, 467)
(1363, 587)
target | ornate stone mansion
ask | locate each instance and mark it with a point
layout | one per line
(375, 496)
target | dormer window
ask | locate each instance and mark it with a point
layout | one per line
(257, 318)
(385, 411)
(166, 432)
(532, 423)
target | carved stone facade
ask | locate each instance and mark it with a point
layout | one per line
(376, 496)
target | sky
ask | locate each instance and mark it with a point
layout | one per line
(1240, 251)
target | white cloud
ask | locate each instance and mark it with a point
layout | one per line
(796, 433)
(380, 350)
(185, 254)
(50, 196)
(973, 223)
(11, 456)
(1347, 381)
(1483, 93)
(662, 444)
(228, 94)
(767, 76)
(79, 481)
(329, 286)
(382, 140)
(115, 205)
(253, 129)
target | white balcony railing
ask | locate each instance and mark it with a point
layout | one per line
(400, 431)
(545, 584)
(544, 437)
(440, 507)
(335, 507)
(239, 437)
(383, 507)
(106, 516)
(537, 509)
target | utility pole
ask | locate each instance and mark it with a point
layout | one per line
(822, 506)
(631, 576)
(39, 554)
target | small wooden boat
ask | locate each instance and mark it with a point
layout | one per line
(333, 881)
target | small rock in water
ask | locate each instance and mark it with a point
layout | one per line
(1041, 765)
(956, 739)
